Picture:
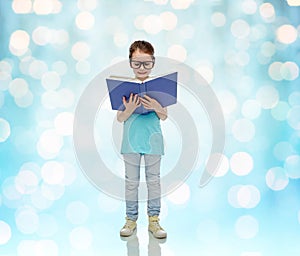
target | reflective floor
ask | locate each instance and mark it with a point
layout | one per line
(133, 244)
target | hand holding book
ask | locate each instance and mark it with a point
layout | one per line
(135, 101)
(132, 103)
(152, 104)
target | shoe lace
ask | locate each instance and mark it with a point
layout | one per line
(155, 225)
(129, 224)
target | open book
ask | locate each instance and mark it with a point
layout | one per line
(163, 88)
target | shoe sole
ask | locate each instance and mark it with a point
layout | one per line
(157, 237)
(125, 235)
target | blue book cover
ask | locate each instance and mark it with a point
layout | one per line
(162, 88)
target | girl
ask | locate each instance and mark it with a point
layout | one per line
(142, 136)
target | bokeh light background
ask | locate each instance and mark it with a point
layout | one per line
(247, 50)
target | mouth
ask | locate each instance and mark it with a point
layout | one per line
(142, 73)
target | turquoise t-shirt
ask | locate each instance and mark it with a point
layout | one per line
(142, 134)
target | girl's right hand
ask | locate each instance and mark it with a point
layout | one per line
(132, 103)
(130, 106)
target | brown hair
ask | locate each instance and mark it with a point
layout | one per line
(143, 46)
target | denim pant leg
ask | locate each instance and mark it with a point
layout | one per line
(132, 179)
(152, 169)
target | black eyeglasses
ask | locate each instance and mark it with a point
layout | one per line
(137, 64)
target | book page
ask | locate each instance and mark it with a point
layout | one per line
(124, 78)
(135, 80)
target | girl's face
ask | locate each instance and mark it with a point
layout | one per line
(139, 69)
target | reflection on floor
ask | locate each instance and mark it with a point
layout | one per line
(133, 247)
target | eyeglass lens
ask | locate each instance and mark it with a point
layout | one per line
(137, 64)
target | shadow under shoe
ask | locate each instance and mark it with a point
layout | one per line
(153, 239)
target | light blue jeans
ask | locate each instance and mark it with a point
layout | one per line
(132, 175)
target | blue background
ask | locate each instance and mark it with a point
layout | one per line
(248, 51)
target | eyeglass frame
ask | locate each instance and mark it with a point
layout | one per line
(142, 63)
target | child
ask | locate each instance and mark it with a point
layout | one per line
(142, 136)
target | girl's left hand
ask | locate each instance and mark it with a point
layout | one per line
(153, 104)
(150, 103)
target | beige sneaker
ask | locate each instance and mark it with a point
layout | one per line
(155, 228)
(128, 228)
